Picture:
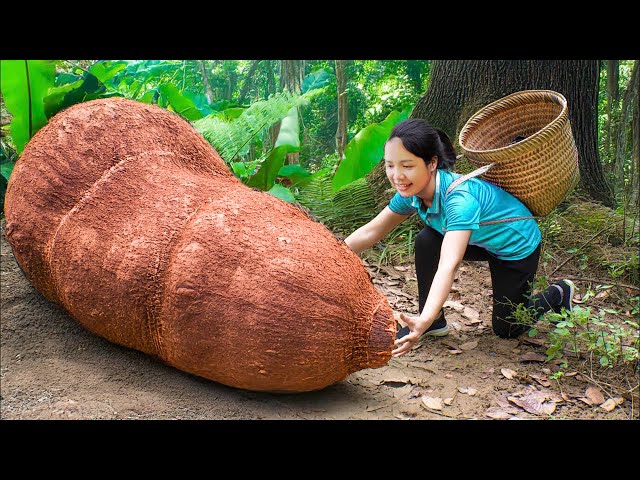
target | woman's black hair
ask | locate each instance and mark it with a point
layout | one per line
(425, 141)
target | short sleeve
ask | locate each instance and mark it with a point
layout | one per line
(400, 205)
(462, 211)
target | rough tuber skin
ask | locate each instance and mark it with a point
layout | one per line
(125, 216)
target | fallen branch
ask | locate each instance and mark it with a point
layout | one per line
(600, 281)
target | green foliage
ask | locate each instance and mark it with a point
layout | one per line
(282, 192)
(398, 245)
(231, 138)
(265, 177)
(295, 174)
(25, 84)
(179, 103)
(364, 152)
(86, 87)
(318, 79)
(585, 334)
(341, 211)
(7, 162)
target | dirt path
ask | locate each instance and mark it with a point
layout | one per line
(51, 368)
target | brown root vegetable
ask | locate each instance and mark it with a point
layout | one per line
(124, 215)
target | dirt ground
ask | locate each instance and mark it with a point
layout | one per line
(51, 368)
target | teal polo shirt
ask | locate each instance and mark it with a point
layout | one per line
(470, 203)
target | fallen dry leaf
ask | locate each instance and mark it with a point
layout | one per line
(455, 352)
(399, 292)
(507, 372)
(471, 314)
(541, 379)
(448, 401)
(434, 403)
(468, 390)
(469, 345)
(594, 395)
(546, 371)
(497, 413)
(402, 392)
(612, 403)
(538, 403)
(532, 357)
(457, 306)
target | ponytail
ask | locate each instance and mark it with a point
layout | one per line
(447, 160)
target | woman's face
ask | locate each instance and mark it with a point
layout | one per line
(408, 174)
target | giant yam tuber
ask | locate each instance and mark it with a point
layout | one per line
(125, 216)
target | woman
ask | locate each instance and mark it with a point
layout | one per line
(418, 159)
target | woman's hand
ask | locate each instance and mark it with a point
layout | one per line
(417, 327)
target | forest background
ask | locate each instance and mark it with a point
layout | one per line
(312, 132)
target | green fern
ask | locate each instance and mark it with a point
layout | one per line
(231, 138)
(343, 211)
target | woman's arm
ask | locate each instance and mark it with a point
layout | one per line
(452, 251)
(371, 233)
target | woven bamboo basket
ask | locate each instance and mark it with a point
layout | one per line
(527, 137)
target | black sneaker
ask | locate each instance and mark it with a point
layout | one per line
(439, 328)
(568, 288)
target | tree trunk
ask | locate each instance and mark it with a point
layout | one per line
(274, 129)
(459, 88)
(634, 173)
(291, 75)
(341, 133)
(613, 74)
(205, 81)
(413, 72)
(248, 81)
(232, 79)
(630, 101)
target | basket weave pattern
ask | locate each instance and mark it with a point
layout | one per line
(541, 169)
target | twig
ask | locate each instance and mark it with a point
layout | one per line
(578, 250)
(611, 393)
(600, 281)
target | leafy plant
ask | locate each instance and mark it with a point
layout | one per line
(25, 84)
(584, 333)
(366, 149)
(231, 138)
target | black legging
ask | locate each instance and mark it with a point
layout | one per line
(511, 281)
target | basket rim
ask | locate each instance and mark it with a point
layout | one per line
(527, 142)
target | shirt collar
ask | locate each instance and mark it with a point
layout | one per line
(434, 209)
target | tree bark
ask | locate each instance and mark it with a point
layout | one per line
(232, 79)
(341, 133)
(291, 75)
(613, 74)
(274, 129)
(629, 107)
(459, 88)
(205, 81)
(248, 81)
(413, 72)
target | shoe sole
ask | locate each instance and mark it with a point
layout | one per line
(438, 332)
